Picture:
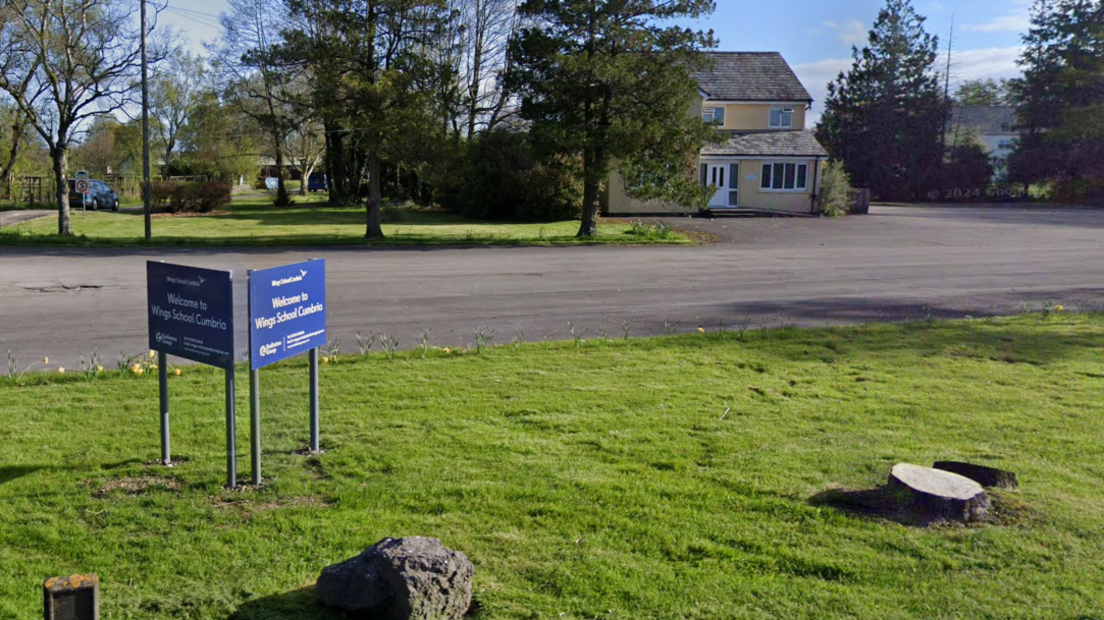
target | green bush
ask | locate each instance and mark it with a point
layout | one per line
(196, 197)
(502, 178)
(835, 197)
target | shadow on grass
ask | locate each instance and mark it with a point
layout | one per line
(9, 473)
(298, 605)
(301, 604)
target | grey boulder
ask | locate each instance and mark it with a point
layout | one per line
(412, 578)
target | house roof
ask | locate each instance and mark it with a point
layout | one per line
(797, 143)
(985, 120)
(750, 76)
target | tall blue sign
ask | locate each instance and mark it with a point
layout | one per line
(287, 311)
(191, 313)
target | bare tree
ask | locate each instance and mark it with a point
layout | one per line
(481, 35)
(176, 93)
(65, 61)
(12, 120)
(252, 76)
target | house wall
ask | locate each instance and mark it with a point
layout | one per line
(756, 116)
(617, 202)
(754, 197)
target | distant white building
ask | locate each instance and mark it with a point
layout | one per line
(995, 129)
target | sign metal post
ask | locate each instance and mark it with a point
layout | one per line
(314, 401)
(163, 385)
(191, 315)
(287, 316)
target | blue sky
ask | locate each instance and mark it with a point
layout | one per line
(814, 36)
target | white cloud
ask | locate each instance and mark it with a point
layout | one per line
(995, 62)
(979, 64)
(851, 33)
(1016, 20)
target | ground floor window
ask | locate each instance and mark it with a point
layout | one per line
(785, 177)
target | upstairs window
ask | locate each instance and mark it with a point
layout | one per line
(714, 116)
(781, 118)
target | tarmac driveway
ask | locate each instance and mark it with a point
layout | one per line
(894, 264)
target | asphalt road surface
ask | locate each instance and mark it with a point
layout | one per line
(897, 263)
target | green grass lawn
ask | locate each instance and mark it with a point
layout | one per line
(254, 221)
(599, 481)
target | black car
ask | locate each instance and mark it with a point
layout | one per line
(100, 196)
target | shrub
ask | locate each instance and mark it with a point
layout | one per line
(502, 178)
(195, 197)
(161, 195)
(835, 197)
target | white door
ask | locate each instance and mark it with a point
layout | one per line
(717, 178)
(725, 178)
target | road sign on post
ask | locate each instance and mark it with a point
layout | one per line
(191, 315)
(287, 316)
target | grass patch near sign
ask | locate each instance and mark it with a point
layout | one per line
(675, 477)
(255, 222)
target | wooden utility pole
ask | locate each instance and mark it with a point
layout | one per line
(147, 207)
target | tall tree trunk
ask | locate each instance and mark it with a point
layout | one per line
(308, 169)
(375, 198)
(59, 155)
(282, 199)
(591, 188)
(13, 154)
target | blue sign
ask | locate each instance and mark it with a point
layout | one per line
(287, 311)
(191, 313)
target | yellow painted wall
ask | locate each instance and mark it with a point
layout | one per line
(756, 116)
(617, 202)
(754, 197)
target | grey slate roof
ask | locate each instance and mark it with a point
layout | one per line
(795, 143)
(985, 120)
(750, 76)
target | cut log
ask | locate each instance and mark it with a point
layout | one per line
(940, 495)
(985, 476)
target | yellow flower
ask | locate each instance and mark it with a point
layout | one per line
(61, 371)
(139, 371)
(325, 360)
(99, 368)
(152, 354)
(701, 330)
(153, 366)
(1059, 308)
(448, 351)
(177, 372)
(45, 360)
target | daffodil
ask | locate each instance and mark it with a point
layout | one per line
(325, 360)
(701, 330)
(1059, 308)
(448, 351)
(177, 372)
(99, 368)
(61, 371)
(45, 360)
(152, 354)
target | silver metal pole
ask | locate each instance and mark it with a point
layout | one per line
(231, 433)
(163, 383)
(255, 423)
(314, 400)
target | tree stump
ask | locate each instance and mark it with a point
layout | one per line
(940, 495)
(985, 476)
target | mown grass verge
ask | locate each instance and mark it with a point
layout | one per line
(255, 222)
(667, 478)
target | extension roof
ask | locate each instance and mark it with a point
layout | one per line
(795, 143)
(750, 76)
